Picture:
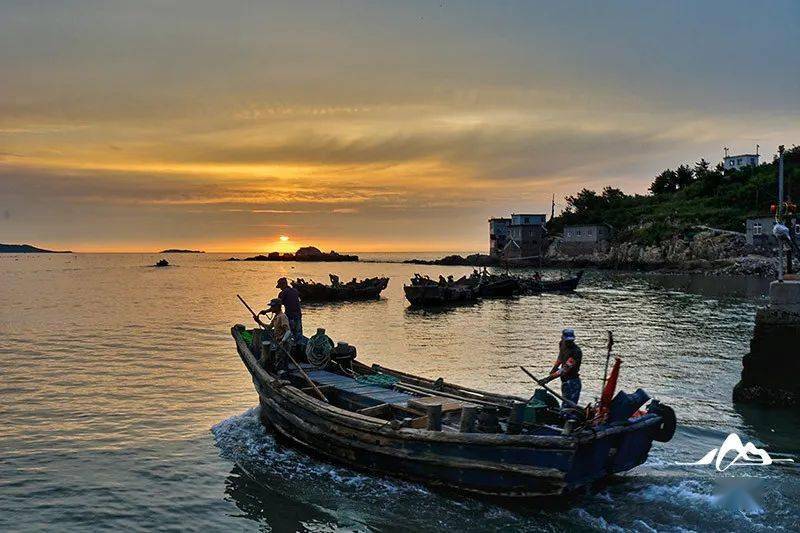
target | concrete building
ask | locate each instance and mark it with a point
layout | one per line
(526, 235)
(592, 233)
(585, 239)
(736, 162)
(498, 235)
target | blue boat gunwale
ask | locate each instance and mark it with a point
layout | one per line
(379, 426)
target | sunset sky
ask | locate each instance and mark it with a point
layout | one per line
(365, 126)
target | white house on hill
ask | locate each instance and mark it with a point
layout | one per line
(736, 162)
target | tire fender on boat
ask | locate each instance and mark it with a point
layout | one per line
(669, 422)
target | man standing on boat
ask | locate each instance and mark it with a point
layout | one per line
(567, 367)
(290, 299)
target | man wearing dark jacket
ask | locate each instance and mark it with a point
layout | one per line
(291, 305)
(567, 367)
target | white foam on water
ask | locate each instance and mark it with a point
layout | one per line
(243, 439)
(595, 522)
(695, 493)
(641, 525)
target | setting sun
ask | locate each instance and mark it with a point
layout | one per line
(284, 238)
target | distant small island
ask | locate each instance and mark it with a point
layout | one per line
(307, 253)
(180, 251)
(28, 249)
(473, 260)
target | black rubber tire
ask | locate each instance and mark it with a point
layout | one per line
(669, 422)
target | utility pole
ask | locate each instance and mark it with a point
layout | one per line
(553, 207)
(779, 213)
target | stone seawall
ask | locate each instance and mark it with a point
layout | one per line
(770, 370)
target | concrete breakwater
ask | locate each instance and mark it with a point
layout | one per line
(770, 369)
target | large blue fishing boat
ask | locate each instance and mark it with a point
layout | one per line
(389, 422)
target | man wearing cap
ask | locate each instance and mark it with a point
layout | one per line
(278, 328)
(290, 299)
(567, 367)
(279, 324)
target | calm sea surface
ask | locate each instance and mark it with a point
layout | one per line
(123, 403)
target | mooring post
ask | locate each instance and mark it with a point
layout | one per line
(779, 214)
(469, 413)
(434, 413)
(516, 417)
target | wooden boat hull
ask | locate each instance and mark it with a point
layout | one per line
(435, 295)
(502, 288)
(318, 292)
(487, 464)
(559, 285)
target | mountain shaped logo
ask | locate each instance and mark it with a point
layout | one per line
(748, 454)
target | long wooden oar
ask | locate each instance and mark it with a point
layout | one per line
(548, 389)
(434, 392)
(303, 372)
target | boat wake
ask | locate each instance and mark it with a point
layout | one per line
(693, 493)
(664, 506)
(244, 440)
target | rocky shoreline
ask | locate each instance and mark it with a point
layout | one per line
(712, 252)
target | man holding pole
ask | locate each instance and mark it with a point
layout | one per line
(278, 328)
(567, 367)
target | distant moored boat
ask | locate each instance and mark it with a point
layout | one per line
(366, 289)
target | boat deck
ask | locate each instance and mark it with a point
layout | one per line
(369, 394)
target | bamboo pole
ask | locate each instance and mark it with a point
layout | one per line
(303, 372)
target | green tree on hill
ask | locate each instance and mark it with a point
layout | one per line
(683, 198)
(684, 176)
(665, 182)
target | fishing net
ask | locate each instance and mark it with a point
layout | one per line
(318, 349)
(380, 380)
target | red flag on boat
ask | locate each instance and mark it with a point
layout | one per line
(611, 385)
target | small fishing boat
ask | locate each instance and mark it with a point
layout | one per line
(389, 422)
(162, 263)
(366, 289)
(425, 292)
(537, 285)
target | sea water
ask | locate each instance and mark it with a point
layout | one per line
(124, 405)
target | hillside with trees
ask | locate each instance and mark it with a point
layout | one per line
(679, 200)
